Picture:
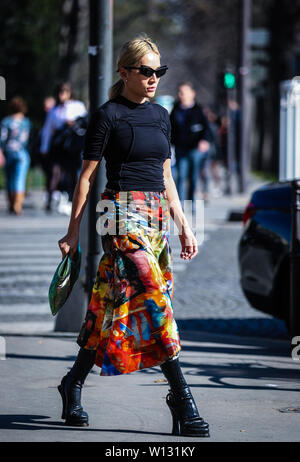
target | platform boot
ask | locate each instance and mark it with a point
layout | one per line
(71, 386)
(186, 418)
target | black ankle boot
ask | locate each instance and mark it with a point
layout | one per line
(71, 386)
(186, 418)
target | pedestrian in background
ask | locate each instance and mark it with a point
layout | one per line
(37, 158)
(191, 137)
(15, 130)
(215, 152)
(48, 103)
(235, 121)
(66, 110)
(223, 137)
(129, 323)
(67, 146)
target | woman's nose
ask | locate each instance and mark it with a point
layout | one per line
(153, 78)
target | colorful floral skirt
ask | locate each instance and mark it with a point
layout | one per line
(129, 320)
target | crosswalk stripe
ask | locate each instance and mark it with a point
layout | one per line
(23, 327)
(27, 244)
(13, 272)
(29, 261)
(30, 252)
(26, 291)
(23, 267)
(24, 279)
(16, 308)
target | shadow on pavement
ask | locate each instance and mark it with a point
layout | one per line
(250, 327)
(224, 376)
(32, 422)
(224, 364)
(235, 345)
(40, 357)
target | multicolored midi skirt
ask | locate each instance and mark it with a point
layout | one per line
(129, 320)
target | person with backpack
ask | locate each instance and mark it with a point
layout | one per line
(66, 110)
(66, 148)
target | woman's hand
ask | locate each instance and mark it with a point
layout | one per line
(189, 245)
(68, 243)
(203, 146)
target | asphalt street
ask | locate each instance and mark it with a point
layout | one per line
(207, 293)
(236, 360)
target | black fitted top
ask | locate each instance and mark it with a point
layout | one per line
(134, 139)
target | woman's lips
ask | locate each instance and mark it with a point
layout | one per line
(151, 88)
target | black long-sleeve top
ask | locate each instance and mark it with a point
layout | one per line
(189, 126)
(134, 139)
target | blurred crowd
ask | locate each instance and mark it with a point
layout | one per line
(198, 142)
(56, 149)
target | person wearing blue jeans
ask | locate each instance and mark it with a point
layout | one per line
(190, 136)
(189, 165)
(14, 139)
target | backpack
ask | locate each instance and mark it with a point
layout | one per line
(67, 142)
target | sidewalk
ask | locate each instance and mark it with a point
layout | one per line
(244, 387)
(247, 389)
(219, 209)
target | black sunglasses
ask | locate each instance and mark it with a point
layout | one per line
(148, 71)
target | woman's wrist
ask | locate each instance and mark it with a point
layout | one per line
(186, 229)
(73, 229)
(181, 222)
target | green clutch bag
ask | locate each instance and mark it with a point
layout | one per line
(64, 278)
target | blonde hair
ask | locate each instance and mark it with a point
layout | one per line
(131, 53)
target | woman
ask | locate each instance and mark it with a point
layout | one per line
(66, 110)
(14, 139)
(129, 323)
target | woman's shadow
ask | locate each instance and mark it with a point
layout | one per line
(33, 422)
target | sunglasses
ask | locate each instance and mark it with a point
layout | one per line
(148, 71)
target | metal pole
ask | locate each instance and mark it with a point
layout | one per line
(230, 141)
(100, 59)
(70, 318)
(294, 312)
(244, 70)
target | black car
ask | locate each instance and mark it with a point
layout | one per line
(264, 250)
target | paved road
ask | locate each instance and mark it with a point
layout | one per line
(246, 387)
(207, 294)
(29, 256)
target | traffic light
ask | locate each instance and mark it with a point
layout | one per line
(229, 80)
